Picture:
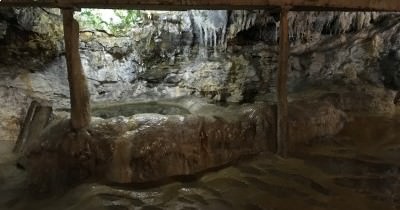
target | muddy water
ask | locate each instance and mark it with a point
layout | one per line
(138, 108)
(358, 169)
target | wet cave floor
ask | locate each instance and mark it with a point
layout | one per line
(357, 169)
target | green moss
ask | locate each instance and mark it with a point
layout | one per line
(94, 19)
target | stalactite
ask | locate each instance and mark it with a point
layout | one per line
(304, 24)
(241, 20)
(211, 27)
(215, 28)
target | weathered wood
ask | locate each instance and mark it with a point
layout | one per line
(36, 120)
(355, 5)
(396, 99)
(24, 132)
(79, 92)
(282, 90)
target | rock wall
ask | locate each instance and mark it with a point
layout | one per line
(146, 148)
(225, 56)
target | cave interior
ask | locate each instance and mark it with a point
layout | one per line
(130, 104)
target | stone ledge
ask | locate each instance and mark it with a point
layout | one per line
(152, 147)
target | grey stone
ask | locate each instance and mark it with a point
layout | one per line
(162, 58)
(151, 147)
(3, 29)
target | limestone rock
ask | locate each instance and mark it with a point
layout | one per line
(163, 58)
(38, 21)
(152, 147)
(311, 120)
(364, 100)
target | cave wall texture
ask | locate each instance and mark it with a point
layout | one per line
(228, 56)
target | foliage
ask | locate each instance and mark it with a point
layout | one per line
(128, 19)
(88, 19)
(116, 22)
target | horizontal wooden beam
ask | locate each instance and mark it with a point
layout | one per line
(345, 5)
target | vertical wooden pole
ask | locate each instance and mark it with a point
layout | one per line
(282, 90)
(79, 92)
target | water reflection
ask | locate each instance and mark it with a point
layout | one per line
(358, 169)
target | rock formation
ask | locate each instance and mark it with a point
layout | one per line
(341, 63)
(147, 148)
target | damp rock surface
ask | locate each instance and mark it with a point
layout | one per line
(149, 147)
(127, 110)
(152, 147)
(226, 56)
(356, 169)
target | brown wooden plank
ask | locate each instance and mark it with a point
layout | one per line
(355, 5)
(282, 90)
(39, 123)
(24, 132)
(36, 120)
(79, 92)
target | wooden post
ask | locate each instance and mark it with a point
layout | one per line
(79, 93)
(282, 90)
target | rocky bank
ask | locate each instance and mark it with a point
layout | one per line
(217, 66)
(223, 56)
(146, 148)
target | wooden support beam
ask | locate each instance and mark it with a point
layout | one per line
(282, 90)
(343, 5)
(79, 92)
